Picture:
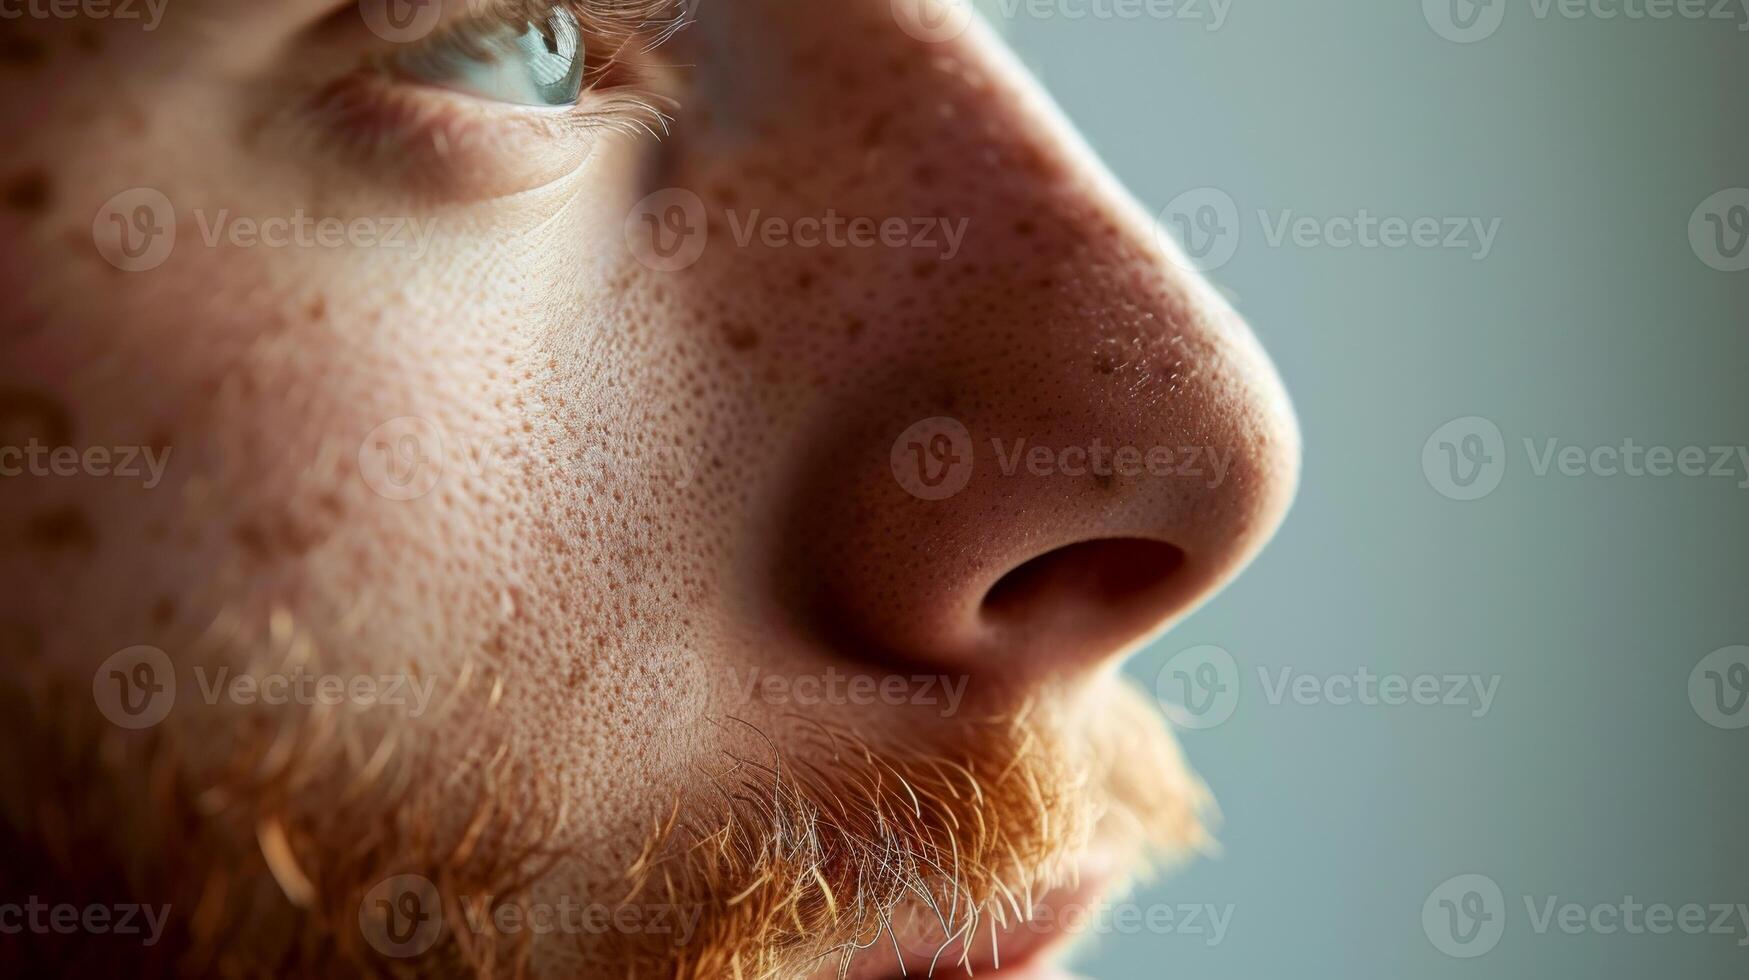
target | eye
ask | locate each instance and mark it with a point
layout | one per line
(527, 63)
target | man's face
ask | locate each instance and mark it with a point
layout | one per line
(686, 528)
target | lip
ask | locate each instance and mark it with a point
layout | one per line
(1042, 971)
(1028, 950)
(1018, 951)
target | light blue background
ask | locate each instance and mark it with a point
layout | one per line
(1591, 598)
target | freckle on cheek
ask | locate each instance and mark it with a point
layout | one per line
(26, 415)
(740, 337)
(28, 192)
(64, 529)
(23, 51)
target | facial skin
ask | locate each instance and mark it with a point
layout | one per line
(635, 603)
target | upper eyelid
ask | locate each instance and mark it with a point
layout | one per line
(611, 28)
(624, 18)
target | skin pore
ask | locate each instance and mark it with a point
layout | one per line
(659, 497)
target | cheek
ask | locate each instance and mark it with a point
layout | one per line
(236, 430)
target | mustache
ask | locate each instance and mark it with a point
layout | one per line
(825, 845)
(268, 836)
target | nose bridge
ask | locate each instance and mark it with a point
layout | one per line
(840, 105)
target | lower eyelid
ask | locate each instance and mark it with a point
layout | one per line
(453, 146)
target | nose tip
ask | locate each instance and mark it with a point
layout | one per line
(1037, 507)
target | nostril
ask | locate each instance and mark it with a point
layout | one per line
(1122, 581)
